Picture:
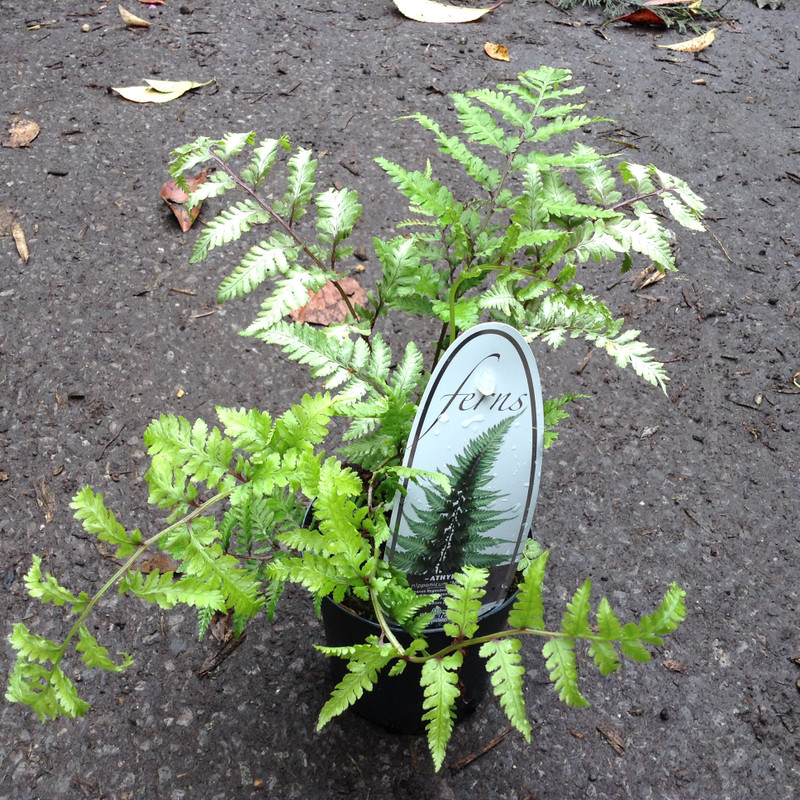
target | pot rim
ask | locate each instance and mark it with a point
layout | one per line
(498, 608)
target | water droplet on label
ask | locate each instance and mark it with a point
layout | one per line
(444, 418)
(467, 422)
(486, 382)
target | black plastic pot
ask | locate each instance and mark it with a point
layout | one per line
(396, 702)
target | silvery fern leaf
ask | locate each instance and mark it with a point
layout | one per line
(229, 225)
(232, 144)
(263, 159)
(265, 260)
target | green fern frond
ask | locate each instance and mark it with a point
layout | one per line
(471, 118)
(504, 664)
(463, 602)
(528, 610)
(440, 683)
(202, 454)
(100, 521)
(94, 655)
(366, 662)
(47, 589)
(559, 655)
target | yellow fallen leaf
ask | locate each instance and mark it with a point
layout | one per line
(19, 240)
(692, 45)
(428, 11)
(499, 52)
(157, 91)
(131, 20)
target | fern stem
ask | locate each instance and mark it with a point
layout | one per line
(451, 648)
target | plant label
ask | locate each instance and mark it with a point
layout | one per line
(480, 424)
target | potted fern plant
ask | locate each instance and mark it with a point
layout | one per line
(236, 495)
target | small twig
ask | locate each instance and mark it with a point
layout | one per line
(721, 246)
(457, 766)
(109, 442)
(182, 291)
(204, 314)
(585, 362)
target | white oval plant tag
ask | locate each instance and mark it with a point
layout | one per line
(480, 423)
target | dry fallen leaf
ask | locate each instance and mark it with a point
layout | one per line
(499, 52)
(326, 306)
(642, 16)
(693, 3)
(428, 11)
(692, 45)
(673, 665)
(613, 738)
(175, 198)
(647, 277)
(10, 227)
(157, 91)
(18, 235)
(131, 20)
(21, 133)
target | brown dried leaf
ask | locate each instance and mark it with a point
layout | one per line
(326, 306)
(670, 2)
(673, 665)
(175, 198)
(131, 20)
(642, 16)
(499, 52)
(647, 277)
(221, 627)
(45, 499)
(692, 45)
(613, 738)
(21, 133)
(429, 11)
(157, 562)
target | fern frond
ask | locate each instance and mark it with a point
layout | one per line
(504, 664)
(232, 144)
(228, 226)
(263, 159)
(202, 454)
(265, 260)
(47, 589)
(214, 186)
(603, 650)
(338, 211)
(474, 166)
(100, 521)
(576, 618)
(94, 655)
(463, 602)
(559, 655)
(528, 610)
(302, 169)
(366, 662)
(440, 683)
